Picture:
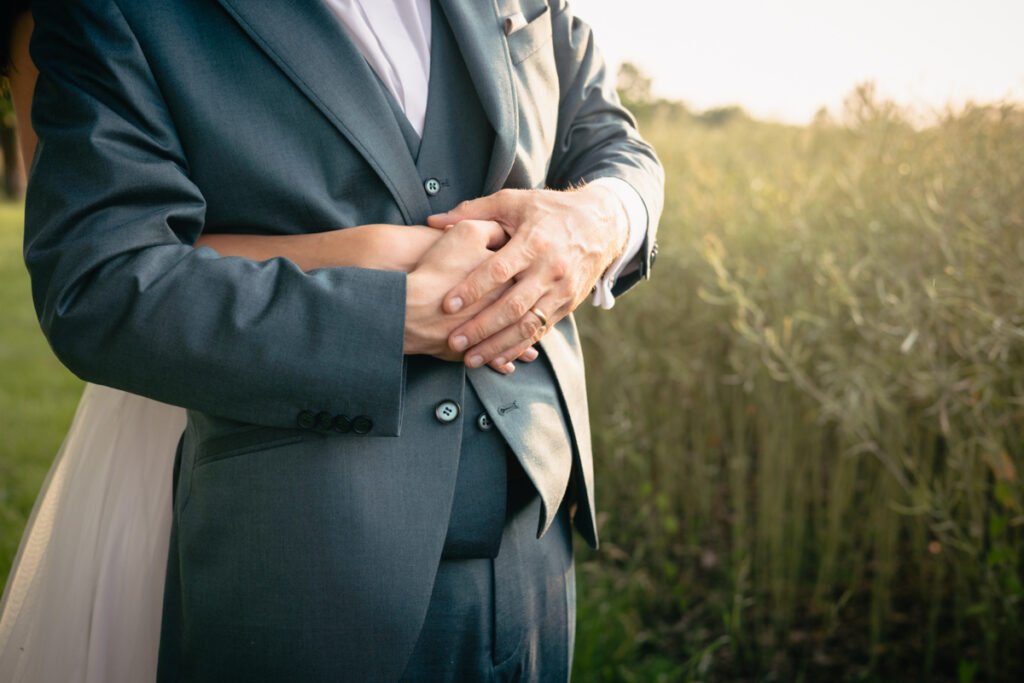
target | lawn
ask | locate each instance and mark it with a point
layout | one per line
(37, 395)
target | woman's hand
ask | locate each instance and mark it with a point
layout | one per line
(453, 256)
(389, 247)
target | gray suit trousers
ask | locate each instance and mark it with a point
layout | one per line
(512, 618)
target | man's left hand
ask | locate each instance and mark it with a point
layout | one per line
(560, 244)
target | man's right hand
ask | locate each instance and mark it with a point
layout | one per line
(456, 254)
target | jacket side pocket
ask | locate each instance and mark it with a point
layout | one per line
(254, 440)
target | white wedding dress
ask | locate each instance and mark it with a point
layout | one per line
(83, 601)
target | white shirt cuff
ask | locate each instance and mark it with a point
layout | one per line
(636, 216)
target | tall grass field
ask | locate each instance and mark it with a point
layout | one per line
(809, 423)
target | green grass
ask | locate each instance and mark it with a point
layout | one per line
(808, 426)
(37, 395)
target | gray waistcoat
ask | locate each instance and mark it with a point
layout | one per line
(451, 171)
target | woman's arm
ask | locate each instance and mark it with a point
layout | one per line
(379, 246)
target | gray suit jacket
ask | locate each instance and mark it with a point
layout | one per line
(161, 120)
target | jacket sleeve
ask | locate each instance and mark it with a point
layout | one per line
(123, 297)
(596, 136)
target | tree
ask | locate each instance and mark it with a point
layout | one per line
(633, 84)
(13, 173)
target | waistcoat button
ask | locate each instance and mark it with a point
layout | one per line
(446, 411)
(484, 422)
(362, 424)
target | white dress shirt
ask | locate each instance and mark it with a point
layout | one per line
(394, 37)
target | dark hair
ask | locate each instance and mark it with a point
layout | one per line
(12, 9)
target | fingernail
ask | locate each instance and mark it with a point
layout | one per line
(475, 361)
(449, 226)
(508, 369)
(460, 343)
(454, 304)
(500, 361)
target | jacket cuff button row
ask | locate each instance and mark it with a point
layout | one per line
(324, 421)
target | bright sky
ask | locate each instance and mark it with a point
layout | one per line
(784, 59)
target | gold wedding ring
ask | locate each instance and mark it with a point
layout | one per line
(543, 318)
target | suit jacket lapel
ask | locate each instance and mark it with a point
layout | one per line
(474, 25)
(310, 46)
(562, 346)
(525, 408)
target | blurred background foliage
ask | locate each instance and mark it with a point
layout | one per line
(13, 174)
(808, 426)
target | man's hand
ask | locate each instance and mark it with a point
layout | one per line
(451, 258)
(561, 243)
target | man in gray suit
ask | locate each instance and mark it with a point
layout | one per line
(349, 502)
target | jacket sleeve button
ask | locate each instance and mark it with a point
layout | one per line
(324, 421)
(306, 419)
(342, 424)
(362, 424)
